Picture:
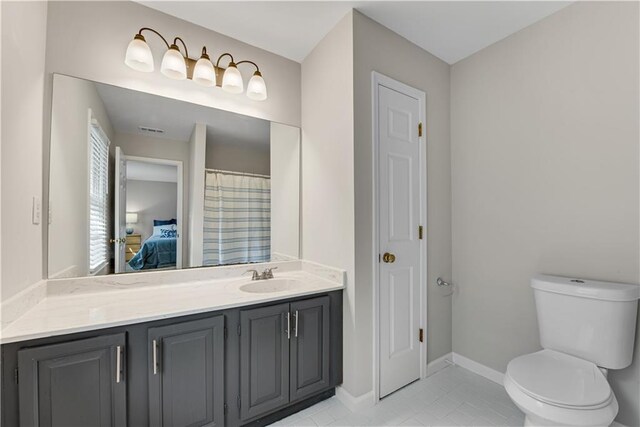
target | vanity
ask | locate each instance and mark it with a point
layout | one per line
(157, 211)
(211, 348)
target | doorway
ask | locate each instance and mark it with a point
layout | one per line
(148, 213)
(400, 234)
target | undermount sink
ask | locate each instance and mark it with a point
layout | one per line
(272, 285)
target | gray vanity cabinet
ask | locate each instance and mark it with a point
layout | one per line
(245, 366)
(309, 371)
(76, 383)
(284, 354)
(186, 373)
(264, 360)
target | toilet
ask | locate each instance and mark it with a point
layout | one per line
(586, 328)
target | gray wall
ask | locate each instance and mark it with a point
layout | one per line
(69, 174)
(151, 200)
(545, 176)
(327, 207)
(238, 158)
(377, 48)
(336, 171)
(24, 27)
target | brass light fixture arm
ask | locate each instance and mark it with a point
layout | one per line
(222, 56)
(156, 33)
(186, 52)
(249, 62)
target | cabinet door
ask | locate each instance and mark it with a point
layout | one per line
(309, 347)
(186, 374)
(264, 360)
(78, 383)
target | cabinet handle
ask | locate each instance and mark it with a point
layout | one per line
(288, 325)
(155, 357)
(118, 363)
(295, 331)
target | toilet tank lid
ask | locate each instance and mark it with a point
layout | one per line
(585, 288)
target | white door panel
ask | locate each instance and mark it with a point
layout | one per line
(399, 176)
(399, 204)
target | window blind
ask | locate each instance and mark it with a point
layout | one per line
(98, 198)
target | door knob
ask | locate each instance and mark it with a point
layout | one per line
(389, 258)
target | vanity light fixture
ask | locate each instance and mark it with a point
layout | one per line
(179, 66)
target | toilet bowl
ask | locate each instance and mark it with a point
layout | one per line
(556, 389)
(586, 327)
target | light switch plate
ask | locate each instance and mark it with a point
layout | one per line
(36, 211)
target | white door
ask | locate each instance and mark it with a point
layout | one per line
(120, 208)
(399, 218)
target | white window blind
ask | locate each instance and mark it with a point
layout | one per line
(98, 198)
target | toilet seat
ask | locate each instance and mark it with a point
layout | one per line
(555, 389)
(560, 379)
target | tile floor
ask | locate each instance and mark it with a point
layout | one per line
(450, 397)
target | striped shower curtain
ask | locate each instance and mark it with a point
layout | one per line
(237, 219)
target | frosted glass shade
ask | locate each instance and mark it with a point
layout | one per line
(173, 65)
(131, 217)
(139, 55)
(232, 79)
(257, 89)
(203, 73)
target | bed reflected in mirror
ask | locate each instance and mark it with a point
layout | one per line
(140, 182)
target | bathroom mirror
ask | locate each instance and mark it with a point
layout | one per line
(140, 182)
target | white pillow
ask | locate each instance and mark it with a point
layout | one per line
(157, 230)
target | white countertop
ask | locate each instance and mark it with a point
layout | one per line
(66, 313)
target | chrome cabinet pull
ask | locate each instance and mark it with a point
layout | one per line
(288, 325)
(295, 331)
(118, 363)
(155, 357)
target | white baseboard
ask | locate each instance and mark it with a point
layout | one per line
(355, 403)
(478, 368)
(439, 364)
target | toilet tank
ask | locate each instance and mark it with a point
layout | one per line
(592, 320)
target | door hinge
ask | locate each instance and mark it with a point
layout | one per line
(226, 333)
(379, 258)
(420, 232)
(420, 129)
(421, 335)
(238, 329)
(16, 375)
(239, 402)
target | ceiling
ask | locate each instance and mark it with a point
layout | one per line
(450, 30)
(129, 109)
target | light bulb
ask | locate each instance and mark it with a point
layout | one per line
(173, 65)
(204, 73)
(232, 79)
(257, 89)
(139, 55)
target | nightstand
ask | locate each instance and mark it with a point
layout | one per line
(134, 241)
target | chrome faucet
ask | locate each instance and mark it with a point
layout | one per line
(266, 274)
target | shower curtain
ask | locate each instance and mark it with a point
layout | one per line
(237, 219)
